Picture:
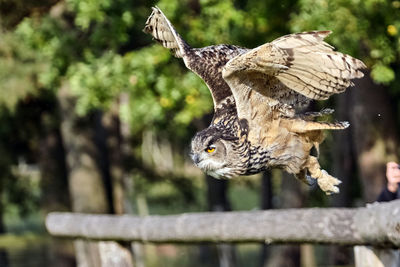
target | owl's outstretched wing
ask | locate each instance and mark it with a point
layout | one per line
(163, 32)
(290, 70)
(206, 62)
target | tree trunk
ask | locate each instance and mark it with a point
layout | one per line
(218, 201)
(84, 146)
(53, 171)
(54, 181)
(344, 162)
(266, 204)
(375, 137)
(3, 252)
(86, 183)
(291, 196)
(111, 123)
(217, 194)
(345, 169)
(119, 152)
(266, 191)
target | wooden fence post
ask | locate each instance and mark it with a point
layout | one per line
(365, 256)
(374, 230)
(376, 225)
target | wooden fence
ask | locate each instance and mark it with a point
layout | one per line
(377, 225)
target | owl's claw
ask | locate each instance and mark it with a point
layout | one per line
(305, 178)
(327, 111)
(328, 183)
(308, 180)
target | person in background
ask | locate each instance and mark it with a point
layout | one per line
(392, 190)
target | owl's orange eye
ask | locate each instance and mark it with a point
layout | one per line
(210, 149)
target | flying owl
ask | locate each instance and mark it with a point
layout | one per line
(259, 96)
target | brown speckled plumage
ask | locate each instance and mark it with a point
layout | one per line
(259, 95)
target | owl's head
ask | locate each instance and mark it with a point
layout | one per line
(214, 153)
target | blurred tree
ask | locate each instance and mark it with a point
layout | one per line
(81, 143)
(13, 12)
(369, 30)
(95, 50)
(291, 195)
(266, 203)
(218, 201)
(31, 109)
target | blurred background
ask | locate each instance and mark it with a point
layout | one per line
(96, 117)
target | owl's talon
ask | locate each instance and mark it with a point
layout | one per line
(327, 111)
(308, 180)
(328, 183)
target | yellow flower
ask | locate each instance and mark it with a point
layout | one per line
(133, 80)
(190, 99)
(165, 102)
(392, 30)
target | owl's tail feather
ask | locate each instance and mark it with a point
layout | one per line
(162, 30)
(302, 126)
(311, 115)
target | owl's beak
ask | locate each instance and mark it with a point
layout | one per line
(195, 158)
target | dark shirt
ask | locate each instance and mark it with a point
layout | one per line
(386, 195)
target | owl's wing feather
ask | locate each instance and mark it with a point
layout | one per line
(206, 62)
(300, 62)
(163, 32)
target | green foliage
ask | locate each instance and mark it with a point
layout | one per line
(382, 73)
(85, 43)
(163, 92)
(97, 81)
(18, 70)
(86, 51)
(366, 29)
(15, 189)
(99, 49)
(13, 11)
(53, 47)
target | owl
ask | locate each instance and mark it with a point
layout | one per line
(259, 99)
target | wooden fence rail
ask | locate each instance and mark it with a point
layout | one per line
(377, 225)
